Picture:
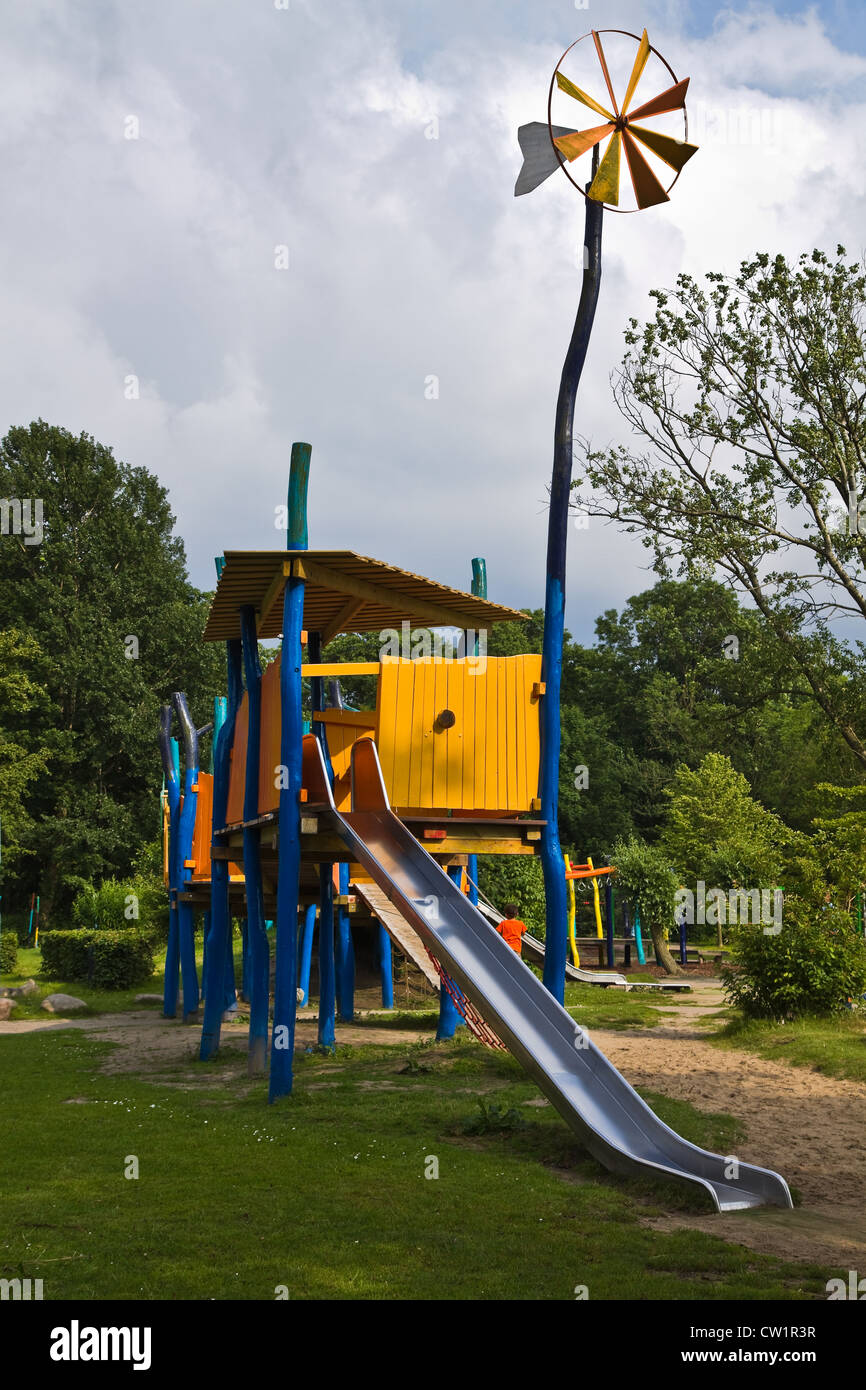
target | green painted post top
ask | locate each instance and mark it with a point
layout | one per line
(219, 564)
(479, 578)
(299, 477)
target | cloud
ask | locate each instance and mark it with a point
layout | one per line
(379, 147)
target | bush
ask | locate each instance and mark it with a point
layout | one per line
(8, 952)
(138, 903)
(516, 878)
(106, 959)
(815, 966)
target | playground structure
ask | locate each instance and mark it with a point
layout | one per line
(456, 760)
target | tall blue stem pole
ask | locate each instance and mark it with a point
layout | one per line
(257, 934)
(553, 862)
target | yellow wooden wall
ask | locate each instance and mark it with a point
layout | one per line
(487, 761)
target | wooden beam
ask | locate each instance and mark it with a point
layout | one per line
(343, 618)
(273, 593)
(341, 668)
(379, 595)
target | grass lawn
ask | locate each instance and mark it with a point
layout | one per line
(836, 1047)
(326, 1192)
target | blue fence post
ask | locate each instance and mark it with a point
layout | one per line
(347, 950)
(449, 1016)
(327, 982)
(307, 952)
(386, 968)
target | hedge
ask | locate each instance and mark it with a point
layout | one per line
(8, 952)
(106, 959)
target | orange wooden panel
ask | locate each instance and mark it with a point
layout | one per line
(269, 746)
(201, 836)
(235, 808)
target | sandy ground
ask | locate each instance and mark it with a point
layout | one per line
(810, 1127)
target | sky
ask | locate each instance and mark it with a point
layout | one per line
(235, 224)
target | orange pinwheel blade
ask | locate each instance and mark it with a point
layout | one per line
(569, 88)
(671, 100)
(640, 63)
(581, 140)
(605, 186)
(676, 153)
(601, 58)
(647, 189)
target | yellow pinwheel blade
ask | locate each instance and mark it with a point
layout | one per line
(676, 153)
(601, 58)
(569, 88)
(673, 99)
(640, 63)
(605, 186)
(581, 140)
(647, 189)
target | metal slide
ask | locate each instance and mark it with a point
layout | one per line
(617, 1127)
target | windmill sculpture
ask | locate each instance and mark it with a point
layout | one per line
(547, 147)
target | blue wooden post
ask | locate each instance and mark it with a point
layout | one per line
(291, 757)
(347, 951)
(386, 968)
(245, 961)
(479, 588)
(186, 829)
(449, 1017)
(258, 937)
(553, 862)
(307, 952)
(608, 912)
(327, 982)
(172, 788)
(219, 983)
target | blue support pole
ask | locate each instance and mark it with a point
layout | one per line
(638, 940)
(307, 952)
(449, 1017)
(552, 859)
(172, 788)
(219, 986)
(479, 588)
(245, 961)
(609, 922)
(291, 757)
(186, 829)
(346, 978)
(327, 981)
(258, 937)
(386, 968)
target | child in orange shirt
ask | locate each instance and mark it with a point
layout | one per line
(511, 927)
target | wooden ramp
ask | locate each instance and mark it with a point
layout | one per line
(404, 936)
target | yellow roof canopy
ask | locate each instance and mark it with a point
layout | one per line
(343, 592)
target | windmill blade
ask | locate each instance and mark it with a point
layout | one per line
(579, 141)
(569, 88)
(640, 63)
(671, 100)
(601, 58)
(647, 189)
(540, 159)
(676, 153)
(605, 186)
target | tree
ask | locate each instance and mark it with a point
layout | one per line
(717, 833)
(22, 699)
(750, 398)
(105, 596)
(645, 876)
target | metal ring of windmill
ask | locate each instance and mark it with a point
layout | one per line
(545, 149)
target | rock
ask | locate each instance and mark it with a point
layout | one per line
(6, 1007)
(148, 999)
(28, 987)
(63, 1004)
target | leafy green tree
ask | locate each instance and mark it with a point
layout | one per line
(715, 831)
(747, 399)
(645, 877)
(106, 598)
(22, 757)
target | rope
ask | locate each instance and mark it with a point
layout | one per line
(467, 1011)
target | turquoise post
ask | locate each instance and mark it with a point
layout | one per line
(257, 936)
(638, 941)
(307, 953)
(219, 987)
(291, 757)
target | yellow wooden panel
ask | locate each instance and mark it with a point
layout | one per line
(514, 714)
(522, 697)
(478, 799)
(425, 731)
(235, 808)
(341, 668)
(440, 739)
(467, 746)
(489, 753)
(386, 713)
(458, 735)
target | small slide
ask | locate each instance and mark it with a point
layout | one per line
(617, 1127)
(535, 948)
